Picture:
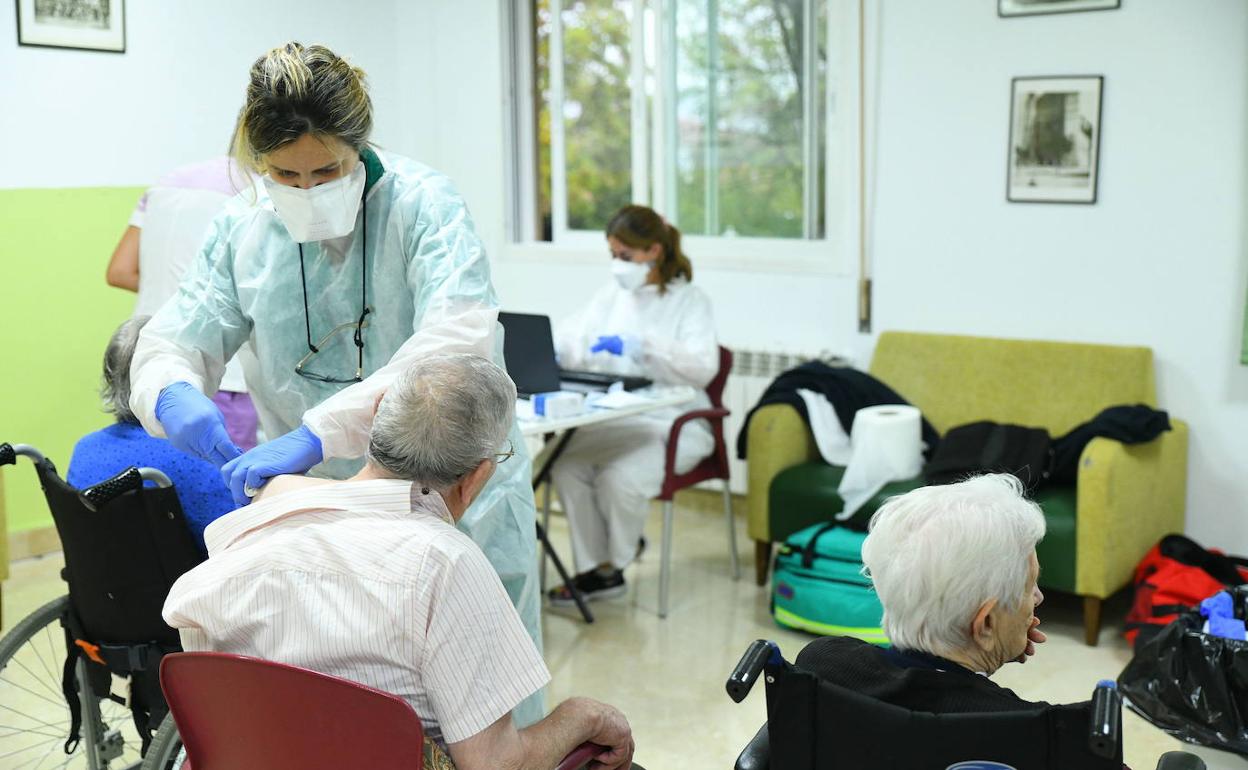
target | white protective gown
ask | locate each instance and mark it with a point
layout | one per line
(428, 285)
(608, 474)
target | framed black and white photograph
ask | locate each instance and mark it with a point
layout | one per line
(1007, 8)
(93, 25)
(1055, 137)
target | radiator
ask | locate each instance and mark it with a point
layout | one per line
(752, 372)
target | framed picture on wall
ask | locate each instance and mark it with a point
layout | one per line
(1055, 137)
(93, 25)
(1007, 8)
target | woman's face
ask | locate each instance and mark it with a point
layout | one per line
(310, 161)
(1016, 623)
(631, 254)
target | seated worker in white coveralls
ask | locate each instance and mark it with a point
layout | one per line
(649, 321)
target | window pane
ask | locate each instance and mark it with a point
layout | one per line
(739, 153)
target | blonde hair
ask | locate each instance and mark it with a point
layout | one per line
(295, 90)
(640, 227)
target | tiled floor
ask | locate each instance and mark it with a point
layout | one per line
(668, 675)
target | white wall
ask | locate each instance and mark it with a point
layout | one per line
(1158, 261)
(77, 118)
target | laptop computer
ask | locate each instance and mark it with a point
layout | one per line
(529, 353)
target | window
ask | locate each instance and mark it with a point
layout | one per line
(721, 114)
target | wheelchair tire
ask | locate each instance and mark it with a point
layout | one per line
(165, 753)
(34, 718)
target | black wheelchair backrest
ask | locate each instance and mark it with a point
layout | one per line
(125, 544)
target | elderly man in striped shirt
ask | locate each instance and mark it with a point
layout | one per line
(369, 579)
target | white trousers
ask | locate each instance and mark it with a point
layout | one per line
(607, 476)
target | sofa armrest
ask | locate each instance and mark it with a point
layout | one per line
(778, 438)
(1129, 497)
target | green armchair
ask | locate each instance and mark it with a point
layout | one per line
(1127, 496)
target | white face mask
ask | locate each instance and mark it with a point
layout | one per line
(630, 275)
(326, 211)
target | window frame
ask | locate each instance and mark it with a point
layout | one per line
(652, 145)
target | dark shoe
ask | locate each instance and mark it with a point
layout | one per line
(641, 547)
(593, 586)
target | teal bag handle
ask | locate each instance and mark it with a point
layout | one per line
(808, 552)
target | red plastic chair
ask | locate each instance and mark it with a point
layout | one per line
(713, 467)
(234, 712)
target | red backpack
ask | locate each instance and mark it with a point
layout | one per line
(1176, 575)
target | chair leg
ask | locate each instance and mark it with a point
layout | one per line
(665, 567)
(1091, 620)
(732, 532)
(762, 561)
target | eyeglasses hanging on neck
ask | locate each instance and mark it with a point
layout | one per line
(359, 324)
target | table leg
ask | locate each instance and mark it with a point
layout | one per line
(543, 475)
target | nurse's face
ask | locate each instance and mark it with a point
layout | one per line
(311, 160)
(631, 254)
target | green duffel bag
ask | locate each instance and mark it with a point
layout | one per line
(818, 586)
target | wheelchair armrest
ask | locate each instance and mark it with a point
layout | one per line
(580, 756)
(1180, 760)
(757, 753)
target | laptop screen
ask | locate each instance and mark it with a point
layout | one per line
(529, 352)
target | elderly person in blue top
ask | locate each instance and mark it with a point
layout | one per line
(106, 452)
(342, 266)
(955, 568)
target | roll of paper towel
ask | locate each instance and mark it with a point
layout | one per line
(886, 445)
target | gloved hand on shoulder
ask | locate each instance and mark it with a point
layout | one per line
(294, 452)
(194, 424)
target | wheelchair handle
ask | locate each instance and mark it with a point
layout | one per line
(99, 495)
(742, 679)
(9, 453)
(1105, 732)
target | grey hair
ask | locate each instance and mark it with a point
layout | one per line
(440, 418)
(936, 554)
(115, 384)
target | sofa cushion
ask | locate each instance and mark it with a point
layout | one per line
(806, 494)
(1056, 551)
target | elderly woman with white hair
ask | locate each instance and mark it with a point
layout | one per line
(955, 568)
(104, 453)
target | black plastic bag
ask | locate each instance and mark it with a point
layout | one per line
(1191, 684)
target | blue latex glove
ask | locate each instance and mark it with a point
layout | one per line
(194, 424)
(1230, 628)
(295, 452)
(612, 343)
(1218, 606)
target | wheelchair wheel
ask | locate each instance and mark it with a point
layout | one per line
(165, 753)
(34, 719)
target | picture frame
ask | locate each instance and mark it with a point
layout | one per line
(88, 25)
(1054, 149)
(1010, 8)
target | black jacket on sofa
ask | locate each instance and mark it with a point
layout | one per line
(847, 389)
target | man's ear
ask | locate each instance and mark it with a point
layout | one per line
(377, 401)
(468, 487)
(983, 625)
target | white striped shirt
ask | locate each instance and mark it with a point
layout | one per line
(369, 581)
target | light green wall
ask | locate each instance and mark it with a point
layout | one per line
(56, 316)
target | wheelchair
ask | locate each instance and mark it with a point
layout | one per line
(80, 674)
(813, 724)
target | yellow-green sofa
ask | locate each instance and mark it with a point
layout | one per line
(1127, 496)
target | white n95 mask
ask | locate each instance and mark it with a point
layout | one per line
(630, 275)
(326, 211)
